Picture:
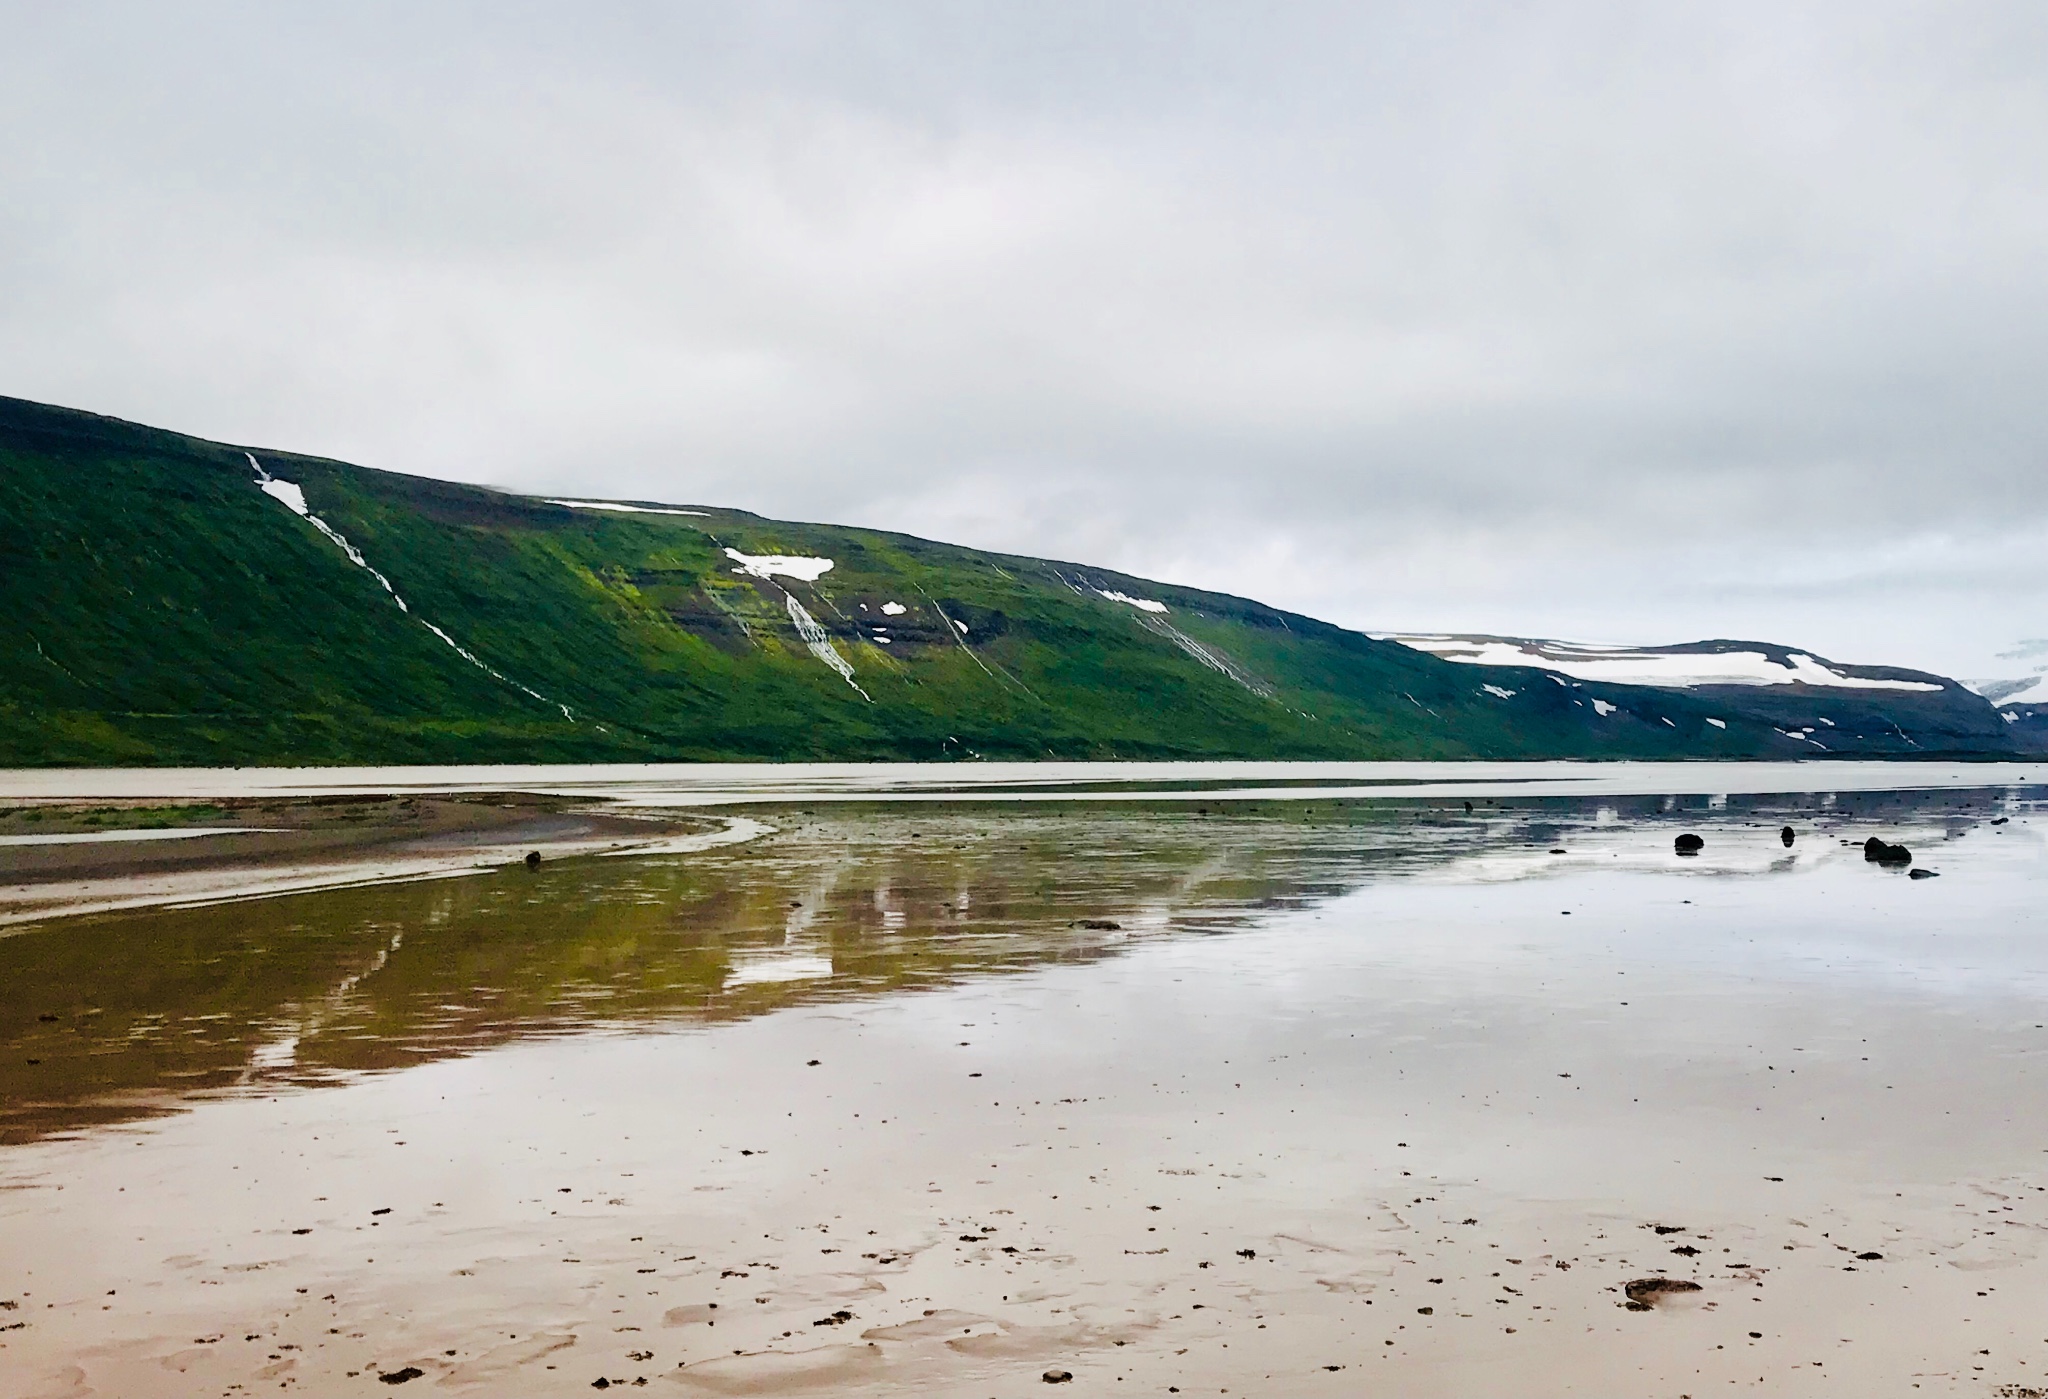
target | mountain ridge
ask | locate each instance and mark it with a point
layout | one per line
(176, 600)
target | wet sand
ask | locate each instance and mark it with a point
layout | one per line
(65, 858)
(1318, 1099)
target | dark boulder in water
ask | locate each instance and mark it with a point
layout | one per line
(1688, 844)
(1787, 835)
(1881, 852)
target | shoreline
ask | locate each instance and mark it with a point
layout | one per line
(675, 785)
(307, 844)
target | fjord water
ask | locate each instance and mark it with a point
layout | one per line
(1327, 1096)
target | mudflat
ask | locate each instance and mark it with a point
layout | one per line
(1321, 1096)
(83, 856)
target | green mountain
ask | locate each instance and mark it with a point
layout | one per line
(169, 600)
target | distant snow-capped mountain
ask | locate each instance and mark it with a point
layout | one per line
(1822, 703)
(2030, 688)
(1689, 665)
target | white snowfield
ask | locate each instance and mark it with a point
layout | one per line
(1628, 665)
(893, 609)
(1143, 604)
(788, 565)
(625, 509)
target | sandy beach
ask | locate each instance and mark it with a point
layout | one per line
(1289, 1099)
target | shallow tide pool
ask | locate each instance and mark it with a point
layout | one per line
(1319, 1097)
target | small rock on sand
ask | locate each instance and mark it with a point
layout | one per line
(1688, 844)
(1645, 1293)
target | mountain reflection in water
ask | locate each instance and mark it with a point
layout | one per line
(118, 1018)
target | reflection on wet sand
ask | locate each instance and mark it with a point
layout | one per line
(1261, 1100)
(137, 1013)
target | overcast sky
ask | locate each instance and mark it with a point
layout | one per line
(1612, 322)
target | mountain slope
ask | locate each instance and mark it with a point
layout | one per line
(172, 600)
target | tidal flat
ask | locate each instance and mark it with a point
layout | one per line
(1488, 1093)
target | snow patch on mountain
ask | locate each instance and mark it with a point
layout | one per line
(808, 570)
(1153, 620)
(293, 498)
(1209, 656)
(494, 673)
(1143, 604)
(626, 509)
(819, 643)
(1670, 668)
